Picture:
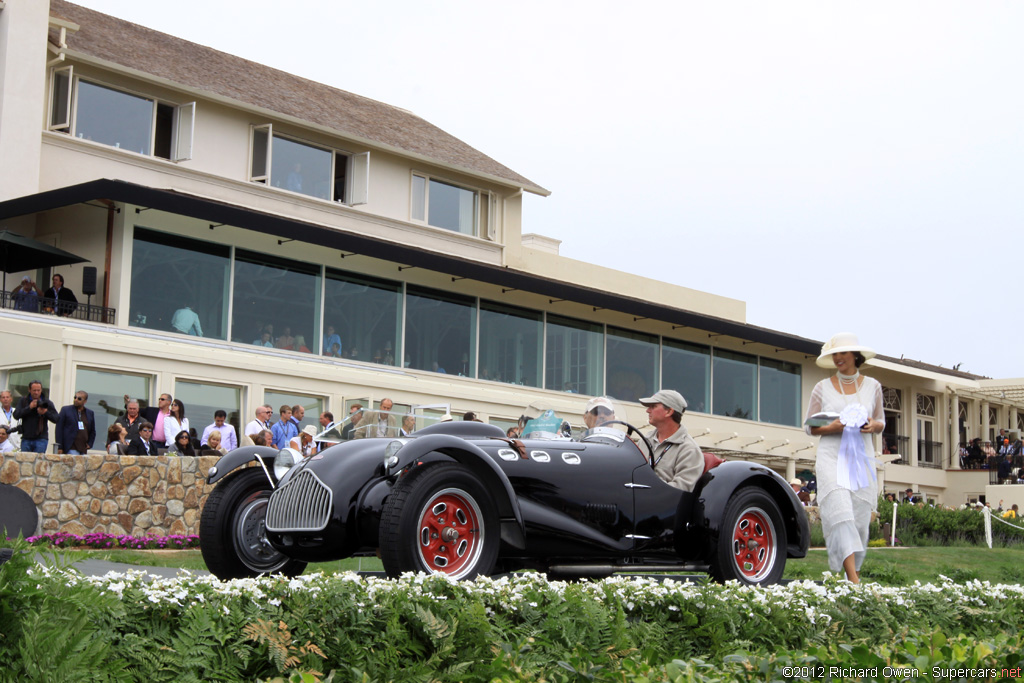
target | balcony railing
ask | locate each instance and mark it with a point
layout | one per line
(929, 453)
(896, 444)
(43, 306)
(1006, 469)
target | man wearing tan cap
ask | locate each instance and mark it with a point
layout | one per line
(677, 459)
(598, 411)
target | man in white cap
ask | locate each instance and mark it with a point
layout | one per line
(598, 411)
(677, 458)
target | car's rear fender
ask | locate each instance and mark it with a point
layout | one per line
(711, 496)
(513, 530)
(241, 456)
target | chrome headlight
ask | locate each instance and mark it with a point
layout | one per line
(285, 459)
(391, 453)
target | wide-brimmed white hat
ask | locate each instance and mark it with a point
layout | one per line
(840, 343)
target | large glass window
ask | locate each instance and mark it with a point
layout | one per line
(179, 284)
(106, 391)
(18, 381)
(301, 168)
(313, 405)
(202, 400)
(307, 169)
(687, 369)
(444, 205)
(735, 384)
(632, 364)
(574, 356)
(362, 316)
(510, 344)
(780, 392)
(439, 331)
(114, 118)
(276, 300)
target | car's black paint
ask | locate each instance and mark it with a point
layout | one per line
(560, 502)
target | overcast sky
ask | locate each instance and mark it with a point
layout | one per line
(839, 166)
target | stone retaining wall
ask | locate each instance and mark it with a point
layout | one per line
(116, 494)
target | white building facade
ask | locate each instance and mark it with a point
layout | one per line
(191, 178)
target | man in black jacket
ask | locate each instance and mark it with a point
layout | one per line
(62, 299)
(143, 443)
(34, 411)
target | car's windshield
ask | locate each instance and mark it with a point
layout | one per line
(363, 424)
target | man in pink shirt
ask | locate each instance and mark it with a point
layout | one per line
(163, 410)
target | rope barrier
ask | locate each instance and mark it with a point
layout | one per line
(1000, 519)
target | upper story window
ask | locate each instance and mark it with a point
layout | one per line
(314, 171)
(109, 116)
(445, 205)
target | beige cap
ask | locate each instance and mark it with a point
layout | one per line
(599, 402)
(309, 429)
(668, 398)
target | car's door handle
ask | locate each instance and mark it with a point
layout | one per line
(631, 485)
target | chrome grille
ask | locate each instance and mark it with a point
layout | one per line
(303, 504)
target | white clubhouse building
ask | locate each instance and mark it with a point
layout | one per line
(187, 177)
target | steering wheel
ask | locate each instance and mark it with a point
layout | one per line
(630, 430)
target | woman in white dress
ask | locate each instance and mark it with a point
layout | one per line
(175, 421)
(845, 467)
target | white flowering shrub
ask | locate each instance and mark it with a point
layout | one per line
(522, 627)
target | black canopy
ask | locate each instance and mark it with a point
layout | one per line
(18, 253)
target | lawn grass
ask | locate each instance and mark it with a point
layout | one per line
(889, 566)
(193, 560)
(903, 566)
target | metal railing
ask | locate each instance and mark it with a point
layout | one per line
(897, 444)
(1005, 469)
(43, 306)
(929, 454)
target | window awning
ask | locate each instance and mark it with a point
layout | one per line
(201, 208)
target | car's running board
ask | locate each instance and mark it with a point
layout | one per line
(596, 570)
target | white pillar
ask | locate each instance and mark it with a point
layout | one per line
(23, 38)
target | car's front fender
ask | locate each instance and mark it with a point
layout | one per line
(513, 530)
(240, 456)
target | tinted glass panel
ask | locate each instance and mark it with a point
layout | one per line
(106, 396)
(632, 364)
(510, 344)
(687, 369)
(365, 315)
(735, 380)
(278, 297)
(18, 381)
(301, 168)
(171, 273)
(574, 356)
(780, 392)
(453, 208)
(203, 400)
(439, 331)
(114, 118)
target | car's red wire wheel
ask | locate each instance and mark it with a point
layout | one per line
(754, 544)
(451, 533)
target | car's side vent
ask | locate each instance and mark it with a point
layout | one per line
(303, 504)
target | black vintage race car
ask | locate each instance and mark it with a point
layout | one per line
(463, 499)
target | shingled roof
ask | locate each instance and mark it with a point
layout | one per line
(204, 69)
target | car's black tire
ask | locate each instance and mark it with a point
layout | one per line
(439, 518)
(752, 543)
(231, 530)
